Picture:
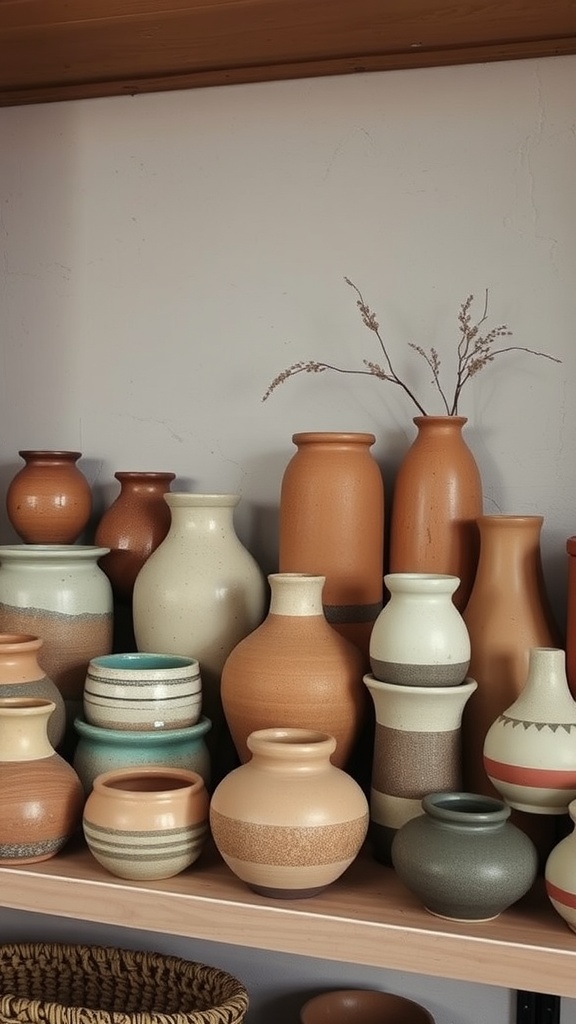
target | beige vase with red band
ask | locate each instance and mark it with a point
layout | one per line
(295, 671)
(436, 502)
(332, 525)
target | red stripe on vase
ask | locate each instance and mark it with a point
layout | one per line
(538, 778)
(560, 895)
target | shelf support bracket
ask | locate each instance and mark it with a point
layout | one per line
(537, 1008)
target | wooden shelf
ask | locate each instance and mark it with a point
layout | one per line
(366, 917)
(58, 50)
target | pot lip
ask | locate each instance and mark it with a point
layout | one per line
(147, 474)
(150, 737)
(47, 552)
(444, 582)
(457, 807)
(189, 499)
(27, 705)
(10, 643)
(48, 453)
(291, 741)
(147, 663)
(337, 436)
(467, 686)
(184, 779)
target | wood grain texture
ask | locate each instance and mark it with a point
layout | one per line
(53, 50)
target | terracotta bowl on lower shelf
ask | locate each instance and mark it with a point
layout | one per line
(362, 1006)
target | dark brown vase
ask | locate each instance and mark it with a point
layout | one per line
(332, 525)
(436, 502)
(133, 527)
(49, 501)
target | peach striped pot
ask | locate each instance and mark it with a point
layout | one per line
(146, 823)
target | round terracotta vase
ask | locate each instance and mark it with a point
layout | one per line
(463, 859)
(417, 750)
(22, 676)
(362, 1006)
(530, 750)
(332, 525)
(436, 501)
(295, 671)
(507, 614)
(420, 638)
(132, 527)
(288, 823)
(560, 874)
(103, 750)
(49, 501)
(58, 592)
(41, 797)
(142, 691)
(146, 823)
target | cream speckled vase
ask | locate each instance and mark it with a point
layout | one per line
(288, 823)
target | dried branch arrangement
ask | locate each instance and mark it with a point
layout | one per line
(475, 350)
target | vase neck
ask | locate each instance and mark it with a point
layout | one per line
(145, 484)
(465, 811)
(296, 594)
(23, 728)
(39, 556)
(293, 751)
(333, 440)
(49, 458)
(546, 695)
(19, 658)
(451, 425)
(510, 544)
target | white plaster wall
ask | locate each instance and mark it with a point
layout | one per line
(164, 256)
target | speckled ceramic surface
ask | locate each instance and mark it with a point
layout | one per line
(362, 1006)
(560, 874)
(146, 823)
(142, 692)
(103, 750)
(462, 857)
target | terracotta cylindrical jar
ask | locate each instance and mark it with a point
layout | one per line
(420, 638)
(530, 750)
(507, 614)
(288, 822)
(417, 750)
(463, 858)
(571, 615)
(560, 874)
(132, 527)
(104, 750)
(49, 501)
(199, 594)
(41, 797)
(146, 823)
(436, 501)
(332, 525)
(295, 671)
(58, 592)
(22, 676)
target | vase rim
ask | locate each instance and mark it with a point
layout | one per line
(465, 808)
(339, 436)
(45, 552)
(296, 577)
(124, 737)
(466, 687)
(47, 453)
(10, 642)
(183, 499)
(118, 780)
(292, 741)
(421, 582)
(27, 705)
(140, 661)
(437, 420)
(511, 518)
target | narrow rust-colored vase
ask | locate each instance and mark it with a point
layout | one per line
(332, 525)
(132, 527)
(436, 501)
(41, 797)
(49, 501)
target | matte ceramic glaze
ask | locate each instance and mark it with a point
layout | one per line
(420, 638)
(530, 750)
(560, 874)
(41, 796)
(332, 524)
(437, 500)
(463, 858)
(58, 592)
(417, 750)
(142, 692)
(362, 1006)
(22, 676)
(49, 501)
(146, 823)
(103, 750)
(288, 823)
(132, 527)
(295, 671)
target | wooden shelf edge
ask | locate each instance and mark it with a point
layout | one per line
(366, 917)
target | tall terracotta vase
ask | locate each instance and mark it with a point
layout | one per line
(332, 525)
(436, 502)
(49, 501)
(22, 676)
(507, 614)
(41, 797)
(132, 527)
(199, 594)
(295, 671)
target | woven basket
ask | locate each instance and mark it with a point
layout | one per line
(45, 983)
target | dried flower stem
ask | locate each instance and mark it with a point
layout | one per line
(474, 352)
